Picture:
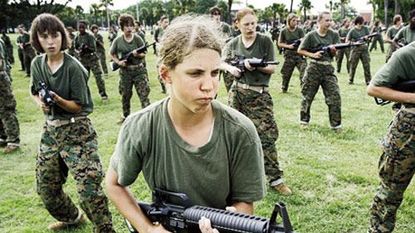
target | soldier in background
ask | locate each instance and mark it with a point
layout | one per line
(249, 93)
(164, 22)
(8, 46)
(407, 34)
(361, 52)
(100, 48)
(132, 73)
(85, 47)
(19, 49)
(9, 125)
(320, 72)
(377, 27)
(289, 40)
(112, 33)
(391, 33)
(28, 52)
(71, 35)
(139, 31)
(397, 163)
(343, 31)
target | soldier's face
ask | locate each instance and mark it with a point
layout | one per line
(325, 21)
(81, 28)
(194, 82)
(247, 25)
(412, 23)
(293, 22)
(51, 43)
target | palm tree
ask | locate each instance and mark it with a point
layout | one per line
(343, 4)
(305, 5)
(291, 6)
(397, 7)
(107, 3)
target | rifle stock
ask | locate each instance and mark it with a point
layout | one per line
(185, 218)
(127, 57)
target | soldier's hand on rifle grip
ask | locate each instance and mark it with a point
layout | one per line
(206, 227)
(122, 63)
(235, 71)
(333, 51)
(318, 54)
(248, 66)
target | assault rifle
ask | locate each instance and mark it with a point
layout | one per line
(45, 94)
(327, 48)
(84, 49)
(295, 43)
(184, 217)
(239, 61)
(370, 36)
(127, 57)
(407, 86)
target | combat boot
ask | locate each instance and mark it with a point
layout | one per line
(283, 189)
(58, 226)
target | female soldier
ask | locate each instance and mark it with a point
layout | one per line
(188, 142)
(68, 141)
(249, 93)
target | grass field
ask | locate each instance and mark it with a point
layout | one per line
(333, 176)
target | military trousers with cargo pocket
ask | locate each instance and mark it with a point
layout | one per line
(258, 106)
(133, 77)
(396, 169)
(72, 148)
(9, 124)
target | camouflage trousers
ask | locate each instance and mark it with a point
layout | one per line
(292, 60)
(317, 75)
(227, 79)
(92, 63)
(102, 59)
(21, 57)
(339, 59)
(137, 78)
(360, 53)
(28, 55)
(9, 125)
(72, 148)
(259, 108)
(375, 40)
(396, 169)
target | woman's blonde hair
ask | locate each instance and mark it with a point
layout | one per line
(186, 34)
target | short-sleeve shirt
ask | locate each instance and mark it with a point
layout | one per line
(287, 36)
(121, 47)
(261, 48)
(400, 67)
(356, 34)
(405, 33)
(69, 82)
(314, 40)
(100, 39)
(87, 39)
(392, 31)
(229, 168)
(343, 31)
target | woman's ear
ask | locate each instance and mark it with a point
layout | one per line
(164, 72)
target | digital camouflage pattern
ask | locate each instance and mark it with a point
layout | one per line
(72, 148)
(317, 75)
(101, 52)
(291, 60)
(91, 63)
(360, 53)
(376, 39)
(227, 79)
(9, 125)
(259, 108)
(343, 31)
(396, 169)
(139, 79)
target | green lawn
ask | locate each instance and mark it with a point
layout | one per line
(333, 176)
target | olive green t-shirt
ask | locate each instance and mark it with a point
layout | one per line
(314, 40)
(228, 168)
(69, 82)
(287, 36)
(400, 67)
(343, 31)
(87, 39)
(392, 31)
(356, 34)
(99, 42)
(405, 33)
(121, 47)
(261, 48)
